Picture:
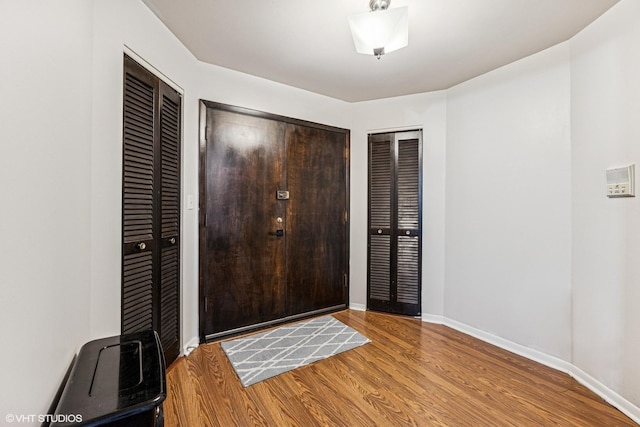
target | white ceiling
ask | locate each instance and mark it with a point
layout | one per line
(307, 44)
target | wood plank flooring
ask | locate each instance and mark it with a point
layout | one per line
(411, 374)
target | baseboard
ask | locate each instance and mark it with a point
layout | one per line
(433, 318)
(529, 353)
(191, 345)
(610, 396)
(357, 307)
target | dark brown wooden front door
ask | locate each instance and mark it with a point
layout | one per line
(268, 257)
(245, 256)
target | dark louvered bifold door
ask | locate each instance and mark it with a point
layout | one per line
(380, 184)
(151, 207)
(408, 223)
(137, 205)
(169, 322)
(394, 262)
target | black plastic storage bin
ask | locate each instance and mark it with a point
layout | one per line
(115, 381)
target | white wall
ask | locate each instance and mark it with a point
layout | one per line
(428, 112)
(508, 212)
(605, 120)
(45, 176)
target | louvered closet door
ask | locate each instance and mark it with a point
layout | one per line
(168, 320)
(380, 184)
(151, 207)
(138, 210)
(394, 272)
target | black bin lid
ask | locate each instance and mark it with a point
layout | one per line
(114, 378)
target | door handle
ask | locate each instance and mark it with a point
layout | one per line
(277, 233)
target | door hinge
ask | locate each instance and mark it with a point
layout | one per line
(206, 304)
(346, 217)
(345, 280)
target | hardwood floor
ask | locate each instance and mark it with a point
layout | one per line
(411, 374)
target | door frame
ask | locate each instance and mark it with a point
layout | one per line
(202, 194)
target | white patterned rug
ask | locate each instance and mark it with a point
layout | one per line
(267, 354)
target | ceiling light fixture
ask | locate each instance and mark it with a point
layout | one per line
(382, 30)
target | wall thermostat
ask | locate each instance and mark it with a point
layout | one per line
(621, 182)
